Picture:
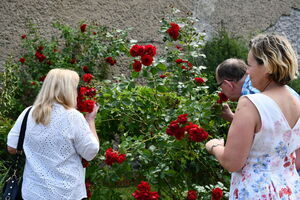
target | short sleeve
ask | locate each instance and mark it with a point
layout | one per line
(85, 142)
(13, 135)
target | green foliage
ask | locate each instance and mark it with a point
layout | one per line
(9, 90)
(221, 47)
(71, 49)
(5, 158)
(295, 84)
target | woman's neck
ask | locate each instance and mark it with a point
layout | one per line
(269, 85)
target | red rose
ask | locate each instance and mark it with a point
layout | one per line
(174, 31)
(91, 92)
(83, 27)
(217, 194)
(87, 77)
(136, 50)
(199, 80)
(183, 67)
(196, 133)
(88, 105)
(137, 66)
(175, 26)
(163, 76)
(82, 91)
(49, 62)
(179, 48)
(94, 33)
(173, 126)
(121, 158)
(42, 78)
(182, 119)
(110, 60)
(40, 48)
(73, 60)
(192, 195)
(33, 83)
(23, 36)
(147, 60)
(150, 50)
(112, 156)
(144, 186)
(22, 60)
(41, 57)
(175, 130)
(178, 61)
(143, 192)
(222, 97)
(85, 69)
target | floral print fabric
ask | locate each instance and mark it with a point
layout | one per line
(270, 172)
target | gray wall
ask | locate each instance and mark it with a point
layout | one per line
(241, 17)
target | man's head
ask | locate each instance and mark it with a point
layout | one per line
(230, 76)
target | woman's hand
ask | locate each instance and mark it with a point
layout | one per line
(92, 115)
(213, 143)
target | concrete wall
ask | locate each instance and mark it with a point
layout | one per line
(242, 17)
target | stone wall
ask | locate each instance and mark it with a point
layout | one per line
(241, 17)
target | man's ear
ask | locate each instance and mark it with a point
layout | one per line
(230, 84)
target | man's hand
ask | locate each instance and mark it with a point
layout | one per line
(227, 114)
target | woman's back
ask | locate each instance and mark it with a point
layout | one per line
(288, 104)
(53, 168)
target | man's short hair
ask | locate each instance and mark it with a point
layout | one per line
(232, 69)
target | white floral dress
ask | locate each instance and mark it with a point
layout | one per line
(270, 171)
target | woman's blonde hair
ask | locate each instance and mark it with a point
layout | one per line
(60, 86)
(276, 53)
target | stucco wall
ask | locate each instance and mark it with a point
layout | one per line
(241, 17)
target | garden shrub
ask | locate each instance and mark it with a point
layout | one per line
(221, 47)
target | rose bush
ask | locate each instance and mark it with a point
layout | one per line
(152, 131)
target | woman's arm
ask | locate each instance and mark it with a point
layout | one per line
(11, 150)
(90, 118)
(298, 159)
(234, 154)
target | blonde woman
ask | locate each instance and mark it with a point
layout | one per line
(262, 148)
(56, 139)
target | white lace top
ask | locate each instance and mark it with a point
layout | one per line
(53, 168)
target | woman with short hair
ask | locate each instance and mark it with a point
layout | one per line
(264, 138)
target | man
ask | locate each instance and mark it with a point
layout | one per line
(232, 79)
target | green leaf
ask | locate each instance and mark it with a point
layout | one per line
(131, 85)
(161, 67)
(135, 74)
(162, 88)
(154, 70)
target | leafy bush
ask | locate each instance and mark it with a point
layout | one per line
(221, 47)
(295, 84)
